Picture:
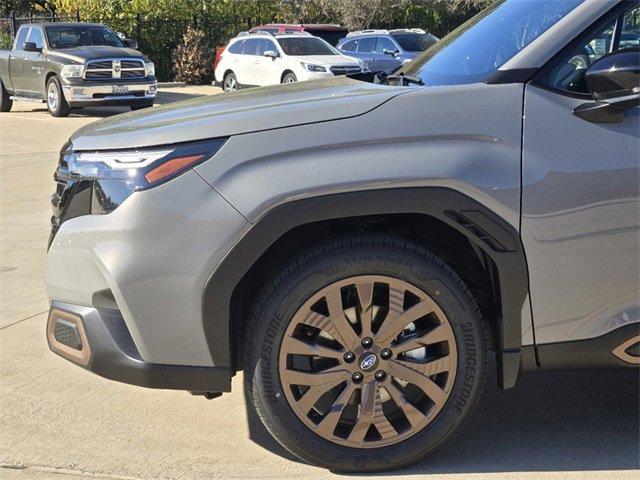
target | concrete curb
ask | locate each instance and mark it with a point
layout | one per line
(171, 84)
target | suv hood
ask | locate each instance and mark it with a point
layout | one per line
(80, 54)
(331, 60)
(227, 114)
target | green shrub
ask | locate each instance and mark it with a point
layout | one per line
(6, 41)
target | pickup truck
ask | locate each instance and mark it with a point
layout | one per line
(75, 65)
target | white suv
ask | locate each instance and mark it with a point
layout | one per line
(260, 59)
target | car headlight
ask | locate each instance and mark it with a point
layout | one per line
(312, 67)
(72, 71)
(149, 69)
(139, 169)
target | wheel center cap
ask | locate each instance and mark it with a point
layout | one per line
(368, 361)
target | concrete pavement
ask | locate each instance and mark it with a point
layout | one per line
(58, 421)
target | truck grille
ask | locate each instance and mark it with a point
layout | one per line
(345, 70)
(114, 68)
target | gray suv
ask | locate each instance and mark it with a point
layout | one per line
(361, 250)
(386, 50)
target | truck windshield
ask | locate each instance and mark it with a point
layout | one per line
(479, 47)
(306, 46)
(81, 36)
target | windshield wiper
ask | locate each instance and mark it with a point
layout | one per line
(404, 79)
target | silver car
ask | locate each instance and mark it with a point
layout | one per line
(361, 250)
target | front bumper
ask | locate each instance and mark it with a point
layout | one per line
(150, 259)
(99, 341)
(110, 93)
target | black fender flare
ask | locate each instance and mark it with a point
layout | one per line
(484, 228)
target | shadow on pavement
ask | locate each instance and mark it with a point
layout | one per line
(552, 421)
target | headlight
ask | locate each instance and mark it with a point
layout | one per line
(72, 71)
(149, 69)
(312, 67)
(139, 169)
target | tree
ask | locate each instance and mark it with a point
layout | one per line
(192, 57)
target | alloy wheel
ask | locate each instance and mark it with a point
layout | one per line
(53, 95)
(230, 84)
(368, 361)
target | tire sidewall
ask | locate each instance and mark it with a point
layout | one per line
(290, 75)
(5, 100)
(428, 276)
(224, 82)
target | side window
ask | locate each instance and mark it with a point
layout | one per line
(236, 47)
(35, 36)
(568, 74)
(385, 43)
(265, 45)
(350, 46)
(22, 37)
(250, 46)
(366, 44)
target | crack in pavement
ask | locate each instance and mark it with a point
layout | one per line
(65, 471)
(20, 321)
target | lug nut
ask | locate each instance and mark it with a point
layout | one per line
(380, 375)
(349, 357)
(357, 377)
(367, 342)
(386, 354)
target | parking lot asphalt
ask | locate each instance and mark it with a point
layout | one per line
(58, 421)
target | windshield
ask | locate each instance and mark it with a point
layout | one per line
(415, 42)
(81, 36)
(476, 49)
(295, 46)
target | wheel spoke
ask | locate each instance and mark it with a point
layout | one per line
(346, 333)
(371, 413)
(313, 394)
(295, 346)
(392, 326)
(331, 375)
(328, 424)
(424, 383)
(365, 296)
(438, 334)
(414, 415)
(430, 368)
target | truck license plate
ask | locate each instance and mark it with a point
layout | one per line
(120, 89)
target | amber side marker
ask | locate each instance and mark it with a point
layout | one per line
(170, 167)
(80, 355)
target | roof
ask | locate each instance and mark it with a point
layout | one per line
(65, 24)
(315, 26)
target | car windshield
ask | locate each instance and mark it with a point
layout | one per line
(479, 47)
(81, 36)
(414, 42)
(298, 46)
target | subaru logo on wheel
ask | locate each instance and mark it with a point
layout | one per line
(368, 362)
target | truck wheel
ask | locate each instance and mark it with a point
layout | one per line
(230, 82)
(290, 78)
(364, 354)
(56, 103)
(140, 106)
(5, 100)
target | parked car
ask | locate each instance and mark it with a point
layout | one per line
(75, 65)
(330, 33)
(360, 250)
(386, 50)
(259, 59)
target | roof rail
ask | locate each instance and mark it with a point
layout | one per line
(302, 34)
(368, 32)
(407, 30)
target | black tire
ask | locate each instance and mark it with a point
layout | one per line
(5, 100)
(140, 106)
(315, 269)
(290, 78)
(230, 82)
(57, 105)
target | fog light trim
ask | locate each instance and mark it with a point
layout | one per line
(81, 355)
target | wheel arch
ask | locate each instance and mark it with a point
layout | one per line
(490, 237)
(285, 73)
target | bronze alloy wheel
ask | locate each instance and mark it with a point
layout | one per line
(368, 361)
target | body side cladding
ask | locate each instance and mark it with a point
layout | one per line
(481, 226)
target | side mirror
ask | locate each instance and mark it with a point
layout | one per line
(31, 47)
(130, 43)
(614, 83)
(393, 53)
(271, 54)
